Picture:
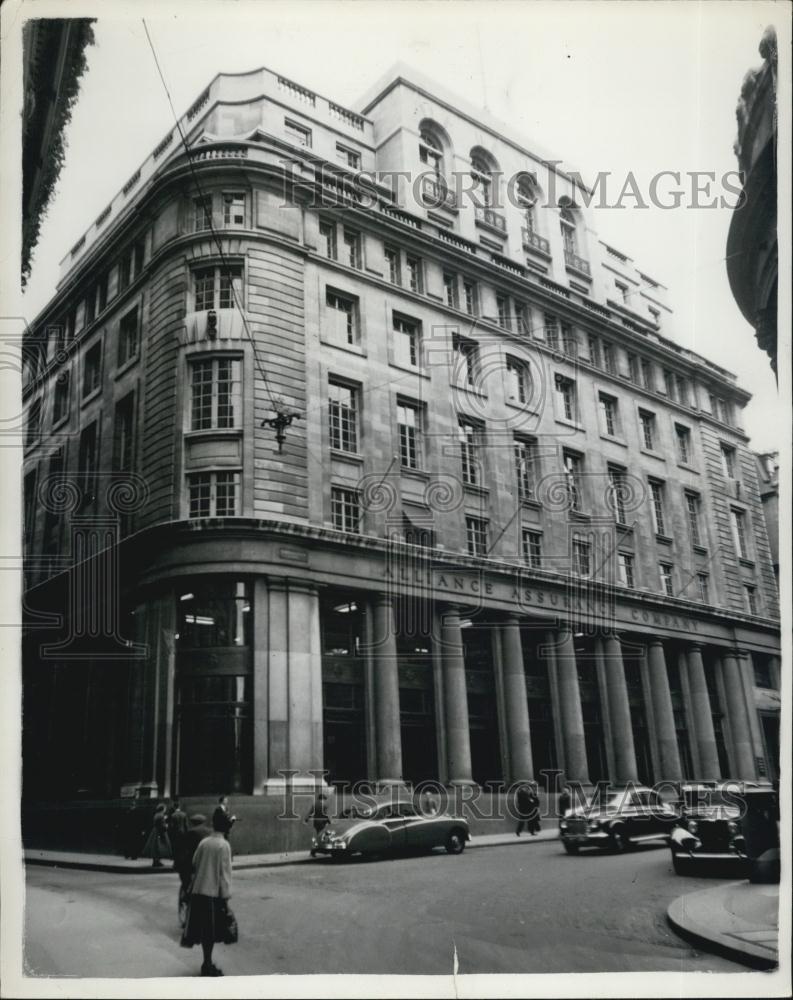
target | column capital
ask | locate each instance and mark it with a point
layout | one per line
(740, 651)
(692, 645)
(382, 598)
(656, 642)
(511, 618)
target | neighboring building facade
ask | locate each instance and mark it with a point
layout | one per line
(752, 251)
(512, 526)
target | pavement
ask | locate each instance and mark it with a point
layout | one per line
(736, 919)
(140, 866)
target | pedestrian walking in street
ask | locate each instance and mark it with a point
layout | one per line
(319, 815)
(197, 830)
(565, 801)
(177, 827)
(534, 810)
(523, 804)
(133, 830)
(158, 843)
(210, 920)
(221, 818)
(427, 804)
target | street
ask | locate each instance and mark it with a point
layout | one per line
(523, 908)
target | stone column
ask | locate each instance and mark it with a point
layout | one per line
(702, 714)
(619, 710)
(663, 713)
(260, 685)
(691, 726)
(388, 736)
(739, 718)
(576, 766)
(277, 683)
(515, 704)
(458, 739)
(746, 664)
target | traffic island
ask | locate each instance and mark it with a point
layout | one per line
(738, 920)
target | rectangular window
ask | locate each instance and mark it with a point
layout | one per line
(60, 406)
(565, 397)
(217, 288)
(532, 548)
(569, 343)
(409, 424)
(128, 337)
(465, 355)
(352, 248)
(669, 384)
(618, 490)
(647, 421)
(406, 342)
(450, 289)
(681, 386)
(594, 351)
(327, 233)
(476, 535)
(101, 293)
(298, 134)
(345, 509)
(751, 599)
(683, 438)
(573, 465)
(517, 381)
(53, 517)
(87, 459)
(342, 317)
(90, 306)
(343, 417)
(728, 461)
(703, 587)
(469, 441)
(230, 288)
(551, 332)
(415, 278)
(233, 209)
(140, 254)
(581, 557)
(608, 414)
(657, 507)
(125, 271)
(393, 265)
(633, 368)
(213, 494)
(216, 400)
(739, 532)
(124, 434)
(522, 324)
(504, 315)
(92, 369)
(471, 298)
(667, 583)
(608, 357)
(33, 429)
(525, 470)
(349, 157)
(623, 290)
(625, 569)
(202, 214)
(693, 511)
(647, 374)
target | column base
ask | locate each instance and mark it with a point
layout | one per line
(384, 785)
(299, 783)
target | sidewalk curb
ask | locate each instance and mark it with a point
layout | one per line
(712, 940)
(240, 863)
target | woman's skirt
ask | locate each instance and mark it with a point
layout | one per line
(208, 919)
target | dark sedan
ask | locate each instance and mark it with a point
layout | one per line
(391, 827)
(616, 820)
(708, 832)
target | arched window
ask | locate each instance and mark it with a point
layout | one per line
(431, 148)
(482, 169)
(527, 198)
(569, 225)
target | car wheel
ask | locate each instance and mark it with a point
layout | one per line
(570, 848)
(619, 841)
(455, 842)
(679, 865)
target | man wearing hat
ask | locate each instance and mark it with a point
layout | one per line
(318, 813)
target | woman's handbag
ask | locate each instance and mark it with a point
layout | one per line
(229, 931)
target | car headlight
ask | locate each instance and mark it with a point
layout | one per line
(692, 826)
(562, 824)
(594, 824)
(732, 826)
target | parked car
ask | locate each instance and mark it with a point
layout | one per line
(708, 833)
(617, 819)
(391, 827)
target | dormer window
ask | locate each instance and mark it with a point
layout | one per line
(431, 149)
(527, 197)
(567, 221)
(482, 169)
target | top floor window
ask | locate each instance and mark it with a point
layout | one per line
(567, 222)
(298, 134)
(349, 157)
(393, 263)
(482, 176)
(202, 214)
(233, 209)
(431, 148)
(527, 197)
(647, 373)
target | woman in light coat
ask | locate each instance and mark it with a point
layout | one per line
(208, 915)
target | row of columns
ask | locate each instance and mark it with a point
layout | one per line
(287, 627)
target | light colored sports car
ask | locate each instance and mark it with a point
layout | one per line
(388, 828)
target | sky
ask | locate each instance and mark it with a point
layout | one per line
(609, 86)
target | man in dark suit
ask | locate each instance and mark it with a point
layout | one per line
(221, 819)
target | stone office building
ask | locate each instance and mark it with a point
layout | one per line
(511, 526)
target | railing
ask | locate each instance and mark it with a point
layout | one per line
(202, 100)
(131, 182)
(509, 265)
(397, 213)
(553, 287)
(436, 191)
(492, 219)
(343, 115)
(457, 241)
(296, 91)
(219, 153)
(532, 241)
(594, 307)
(577, 263)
